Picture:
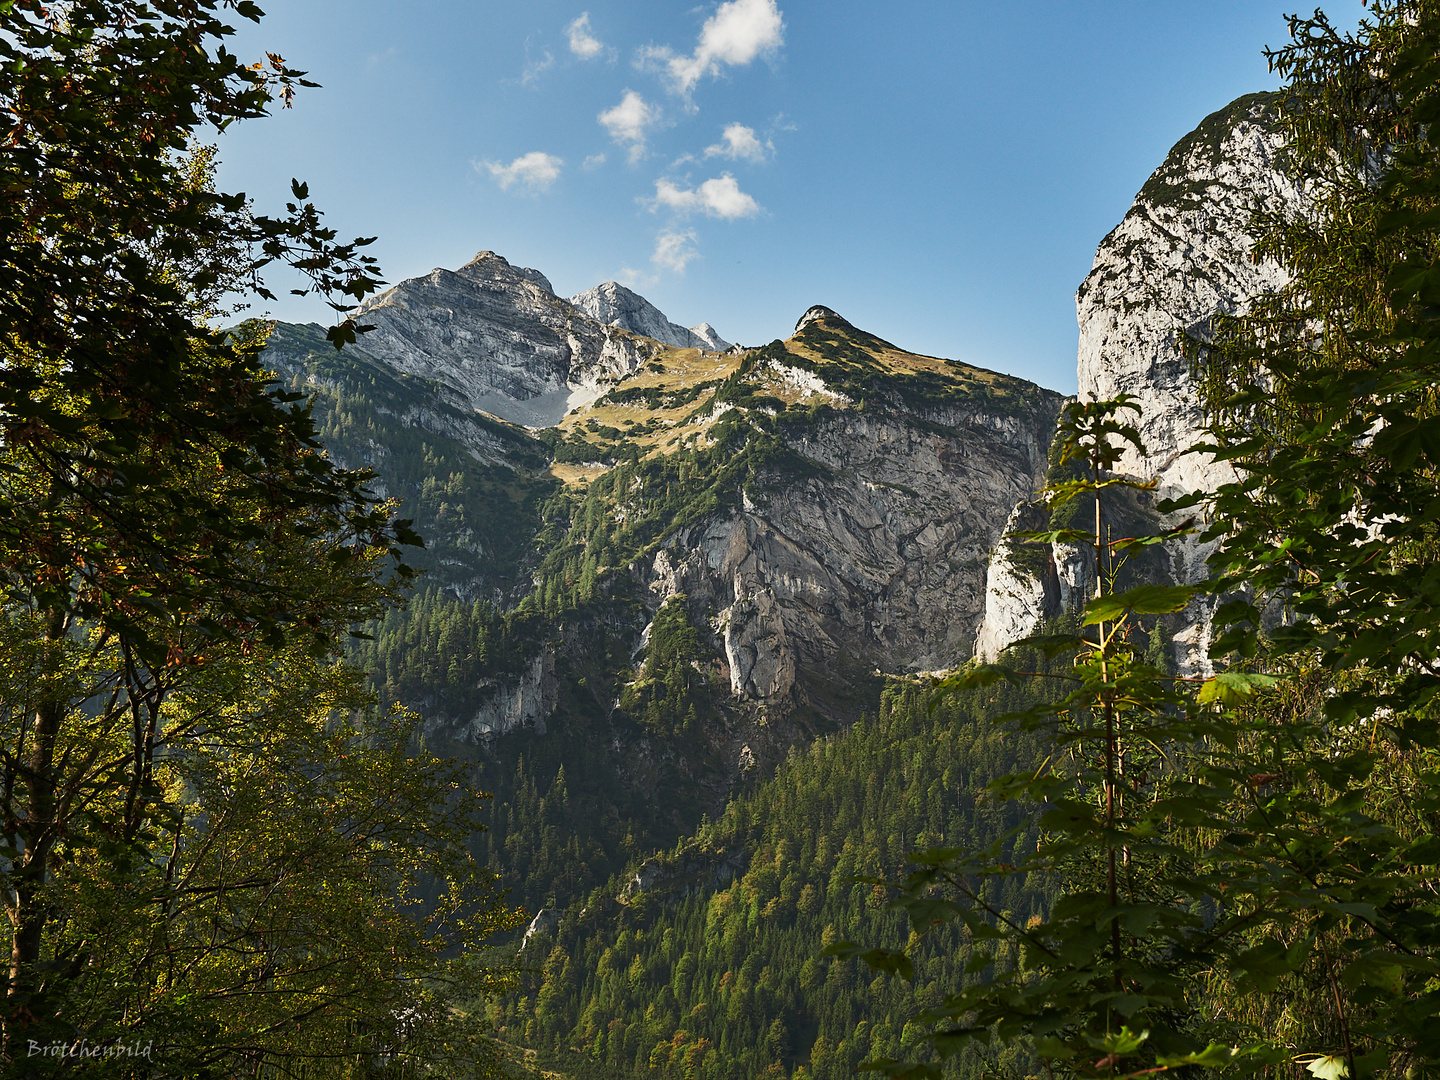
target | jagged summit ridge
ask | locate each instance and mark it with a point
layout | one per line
(487, 264)
(615, 305)
(500, 339)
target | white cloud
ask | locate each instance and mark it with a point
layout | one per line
(594, 161)
(738, 32)
(629, 121)
(719, 197)
(741, 143)
(582, 44)
(535, 68)
(634, 279)
(535, 171)
(674, 249)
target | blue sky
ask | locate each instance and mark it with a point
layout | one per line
(940, 173)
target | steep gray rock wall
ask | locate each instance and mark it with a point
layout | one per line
(875, 558)
(1181, 255)
(526, 701)
(500, 339)
(615, 305)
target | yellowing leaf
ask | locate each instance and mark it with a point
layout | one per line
(1328, 1067)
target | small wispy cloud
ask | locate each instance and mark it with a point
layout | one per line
(738, 32)
(630, 121)
(673, 250)
(534, 171)
(719, 197)
(740, 144)
(535, 68)
(594, 161)
(634, 279)
(582, 43)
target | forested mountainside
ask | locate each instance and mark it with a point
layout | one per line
(711, 562)
(706, 621)
(671, 627)
(705, 961)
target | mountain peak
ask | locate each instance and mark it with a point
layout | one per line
(486, 264)
(615, 305)
(819, 311)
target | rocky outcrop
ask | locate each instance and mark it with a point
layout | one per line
(1182, 255)
(706, 333)
(615, 305)
(671, 877)
(501, 339)
(1022, 589)
(815, 313)
(524, 702)
(544, 922)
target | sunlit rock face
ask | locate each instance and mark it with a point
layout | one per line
(499, 337)
(865, 552)
(1021, 591)
(1182, 255)
(615, 305)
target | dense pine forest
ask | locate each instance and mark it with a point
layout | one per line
(715, 969)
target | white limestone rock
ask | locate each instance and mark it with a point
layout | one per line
(1181, 255)
(817, 311)
(528, 701)
(713, 341)
(614, 305)
(545, 922)
(1019, 596)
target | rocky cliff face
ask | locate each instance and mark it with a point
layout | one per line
(501, 339)
(856, 543)
(1181, 255)
(1021, 589)
(615, 305)
(875, 559)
